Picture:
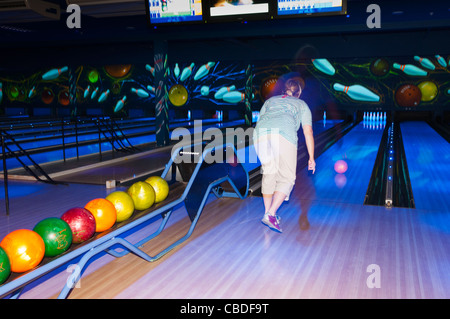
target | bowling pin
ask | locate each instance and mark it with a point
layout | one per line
(410, 69)
(186, 72)
(219, 94)
(323, 65)
(86, 92)
(103, 96)
(150, 69)
(441, 60)
(1, 92)
(94, 93)
(324, 115)
(176, 70)
(120, 104)
(233, 97)
(203, 70)
(425, 62)
(357, 92)
(204, 90)
(54, 73)
(151, 88)
(189, 115)
(32, 91)
(140, 92)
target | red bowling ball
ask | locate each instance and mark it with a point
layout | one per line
(81, 222)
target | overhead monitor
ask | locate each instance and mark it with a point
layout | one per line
(174, 11)
(297, 8)
(229, 10)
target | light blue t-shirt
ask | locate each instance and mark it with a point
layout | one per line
(283, 114)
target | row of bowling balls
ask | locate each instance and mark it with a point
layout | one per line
(23, 249)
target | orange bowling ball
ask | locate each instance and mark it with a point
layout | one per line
(104, 213)
(25, 249)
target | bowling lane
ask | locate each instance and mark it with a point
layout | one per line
(358, 148)
(428, 158)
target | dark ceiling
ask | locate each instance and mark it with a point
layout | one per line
(419, 26)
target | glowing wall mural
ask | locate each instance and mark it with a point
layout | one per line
(391, 83)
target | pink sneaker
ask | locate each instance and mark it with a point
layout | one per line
(272, 221)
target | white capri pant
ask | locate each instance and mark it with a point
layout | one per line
(278, 159)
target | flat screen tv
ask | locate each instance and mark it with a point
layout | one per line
(160, 12)
(298, 8)
(232, 10)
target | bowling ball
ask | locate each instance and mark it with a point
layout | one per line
(93, 76)
(104, 213)
(428, 89)
(81, 222)
(25, 249)
(118, 71)
(160, 187)
(178, 95)
(408, 95)
(47, 96)
(123, 203)
(56, 234)
(143, 195)
(340, 166)
(379, 67)
(268, 87)
(63, 98)
(5, 266)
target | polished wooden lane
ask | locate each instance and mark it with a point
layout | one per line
(232, 255)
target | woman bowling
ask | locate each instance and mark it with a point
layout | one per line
(275, 139)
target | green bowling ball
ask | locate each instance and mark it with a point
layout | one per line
(5, 266)
(56, 234)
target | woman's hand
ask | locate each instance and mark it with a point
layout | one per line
(312, 165)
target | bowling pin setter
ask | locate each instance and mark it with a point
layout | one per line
(425, 62)
(86, 92)
(120, 104)
(150, 69)
(140, 92)
(176, 70)
(103, 96)
(357, 92)
(233, 97)
(219, 94)
(203, 70)
(441, 60)
(54, 73)
(94, 93)
(410, 69)
(186, 72)
(324, 66)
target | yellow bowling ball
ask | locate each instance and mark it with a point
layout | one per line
(124, 204)
(142, 194)
(428, 89)
(178, 95)
(160, 186)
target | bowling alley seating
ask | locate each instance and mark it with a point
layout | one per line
(190, 182)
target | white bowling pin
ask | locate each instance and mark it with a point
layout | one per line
(140, 92)
(186, 72)
(120, 104)
(425, 62)
(176, 70)
(203, 70)
(219, 94)
(410, 69)
(54, 73)
(233, 97)
(103, 96)
(357, 92)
